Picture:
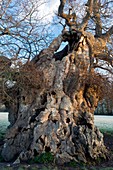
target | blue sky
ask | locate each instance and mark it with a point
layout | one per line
(48, 10)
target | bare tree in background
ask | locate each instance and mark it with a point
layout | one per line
(23, 33)
(56, 93)
(22, 28)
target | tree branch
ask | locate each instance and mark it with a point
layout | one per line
(103, 68)
(105, 57)
(89, 9)
(54, 46)
(98, 22)
(60, 10)
(108, 33)
(67, 17)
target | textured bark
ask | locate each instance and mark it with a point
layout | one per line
(60, 119)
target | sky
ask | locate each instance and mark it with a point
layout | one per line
(49, 9)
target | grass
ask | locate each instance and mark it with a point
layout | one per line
(107, 131)
(46, 157)
(74, 164)
(3, 124)
(104, 123)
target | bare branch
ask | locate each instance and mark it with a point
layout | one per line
(61, 12)
(108, 33)
(105, 57)
(97, 18)
(104, 68)
(68, 16)
(21, 24)
(89, 10)
(53, 47)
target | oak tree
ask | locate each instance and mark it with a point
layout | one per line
(55, 100)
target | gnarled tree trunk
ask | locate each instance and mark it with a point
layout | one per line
(60, 118)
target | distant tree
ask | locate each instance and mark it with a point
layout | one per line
(22, 30)
(23, 33)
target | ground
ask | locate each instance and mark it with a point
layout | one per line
(105, 165)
